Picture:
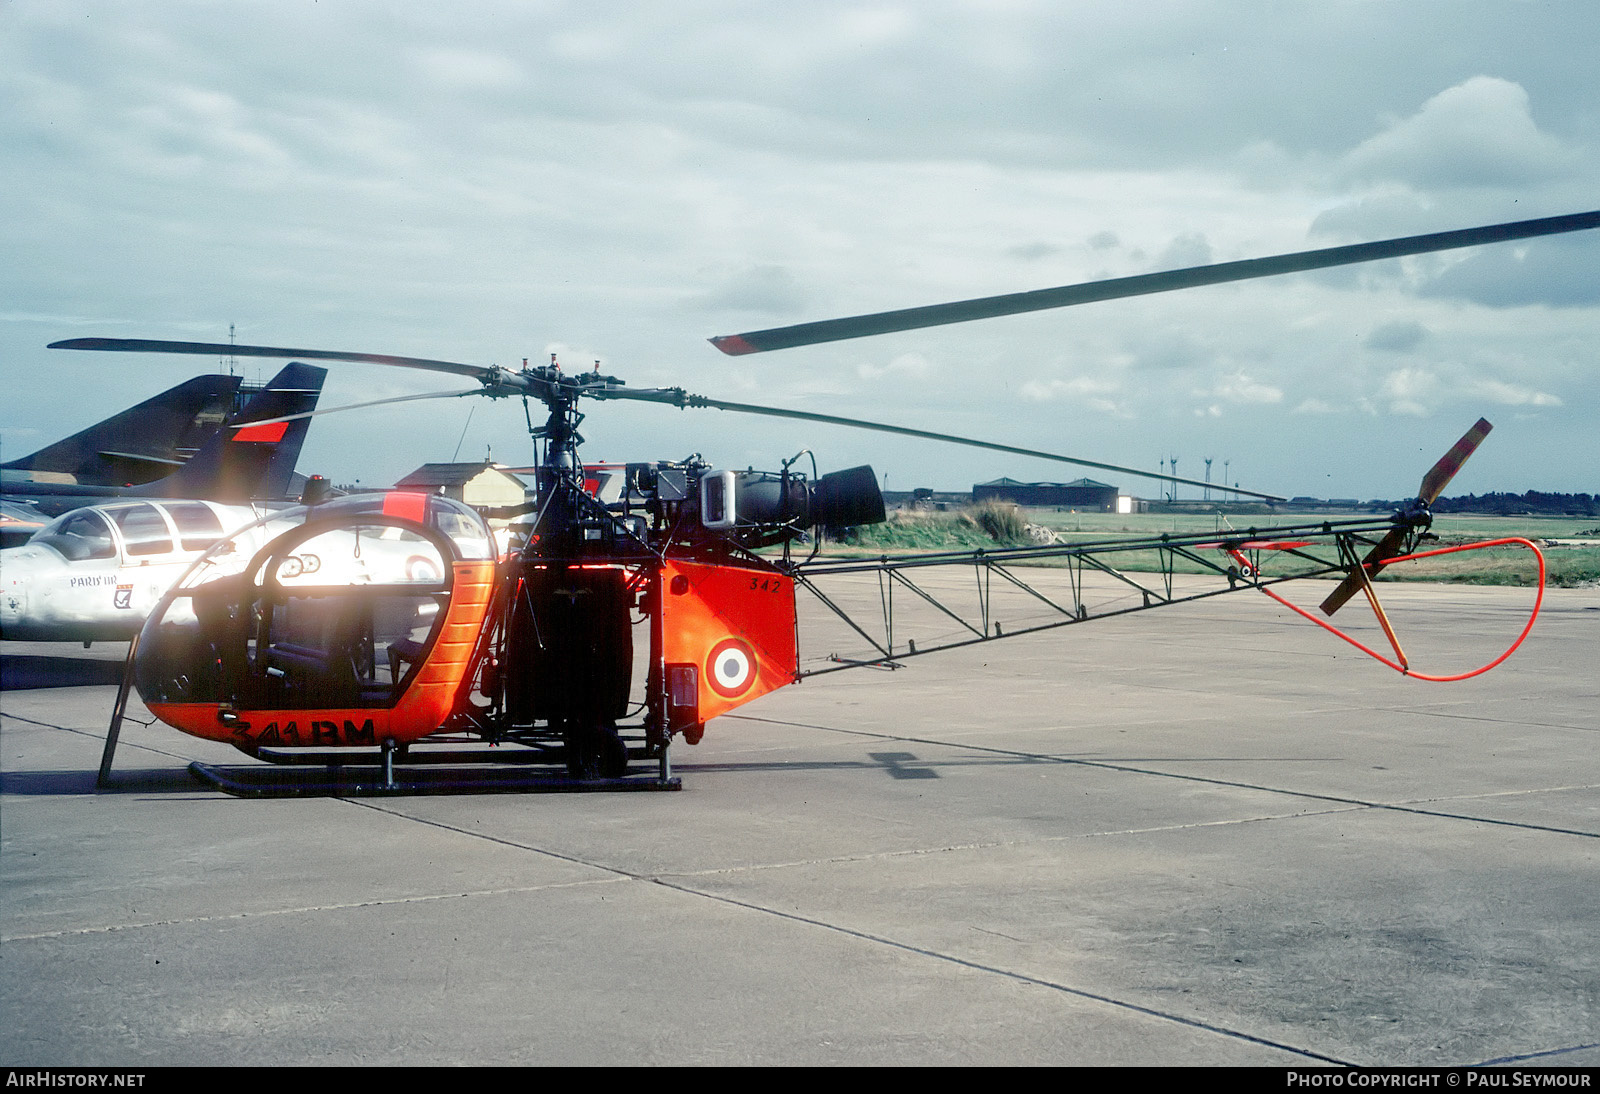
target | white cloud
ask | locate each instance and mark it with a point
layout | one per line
(1410, 391)
(904, 367)
(1511, 394)
(1315, 406)
(1186, 250)
(1480, 132)
(1240, 388)
(1087, 390)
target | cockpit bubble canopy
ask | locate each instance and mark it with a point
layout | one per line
(317, 607)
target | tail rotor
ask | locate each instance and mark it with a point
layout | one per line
(1433, 484)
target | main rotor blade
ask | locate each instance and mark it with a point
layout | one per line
(362, 406)
(219, 349)
(680, 398)
(988, 307)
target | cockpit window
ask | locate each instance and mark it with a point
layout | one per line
(341, 615)
(361, 554)
(79, 536)
(465, 527)
(198, 526)
(353, 647)
(329, 607)
(144, 531)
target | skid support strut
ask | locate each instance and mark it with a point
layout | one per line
(120, 707)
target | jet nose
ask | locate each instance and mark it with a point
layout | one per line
(22, 570)
(13, 598)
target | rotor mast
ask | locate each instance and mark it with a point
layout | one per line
(556, 442)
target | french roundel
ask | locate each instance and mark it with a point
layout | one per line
(731, 668)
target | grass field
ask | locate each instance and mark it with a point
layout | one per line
(1568, 564)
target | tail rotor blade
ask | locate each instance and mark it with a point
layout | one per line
(1439, 476)
(1387, 547)
(1433, 484)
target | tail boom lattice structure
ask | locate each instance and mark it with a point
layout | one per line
(921, 604)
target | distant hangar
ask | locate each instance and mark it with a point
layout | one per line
(1083, 494)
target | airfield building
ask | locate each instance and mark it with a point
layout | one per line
(481, 485)
(1082, 494)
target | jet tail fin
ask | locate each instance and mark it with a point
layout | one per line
(141, 444)
(244, 461)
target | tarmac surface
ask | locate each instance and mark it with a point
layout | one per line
(1205, 835)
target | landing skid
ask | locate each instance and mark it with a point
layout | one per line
(437, 769)
(322, 774)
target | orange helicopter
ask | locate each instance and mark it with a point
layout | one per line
(336, 636)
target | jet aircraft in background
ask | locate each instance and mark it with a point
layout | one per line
(95, 571)
(144, 442)
(110, 460)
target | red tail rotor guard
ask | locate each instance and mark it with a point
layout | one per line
(1400, 663)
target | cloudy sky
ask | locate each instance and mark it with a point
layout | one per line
(485, 182)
